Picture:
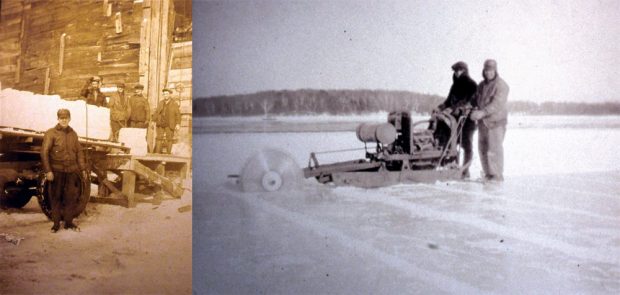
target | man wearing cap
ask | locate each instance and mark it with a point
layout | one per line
(140, 110)
(65, 167)
(119, 111)
(91, 93)
(492, 116)
(167, 118)
(459, 99)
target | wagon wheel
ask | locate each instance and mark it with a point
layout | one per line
(44, 196)
(13, 196)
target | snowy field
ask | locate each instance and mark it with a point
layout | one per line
(551, 227)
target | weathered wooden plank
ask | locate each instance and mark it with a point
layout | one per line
(7, 60)
(9, 34)
(180, 75)
(182, 51)
(182, 63)
(9, 45)
(14, 27)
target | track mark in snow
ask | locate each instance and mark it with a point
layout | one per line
(443, 282)
(532, 204)
(602, 255)
(570, 190)
(587, 179)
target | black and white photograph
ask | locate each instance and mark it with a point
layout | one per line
(95, 147)
(406, 147)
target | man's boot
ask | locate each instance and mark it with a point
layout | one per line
(55, 227)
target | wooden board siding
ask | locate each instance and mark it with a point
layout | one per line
(10, 32)
(89, 34)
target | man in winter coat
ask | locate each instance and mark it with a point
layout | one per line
(91, 93)
(168, 120)
(119, 111)
(461, 97)
(492, 117)
(65, 167)
(140, 110)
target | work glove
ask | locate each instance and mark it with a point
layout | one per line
(477, 115)
(49, 176)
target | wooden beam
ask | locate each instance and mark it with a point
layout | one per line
(46, 88)
(61, 53)
(129, 187)
(118, 23)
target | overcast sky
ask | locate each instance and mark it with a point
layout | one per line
(546, 50)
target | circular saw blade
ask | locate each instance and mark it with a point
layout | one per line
(270, 170)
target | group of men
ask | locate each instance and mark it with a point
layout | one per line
(62, 156)
(489, 114)
(135, 112)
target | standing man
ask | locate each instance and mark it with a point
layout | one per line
(91, 93)
(168, 120)
(492, 117)
(119, 111)
(461, 97)
(65, 168)
(140, 110)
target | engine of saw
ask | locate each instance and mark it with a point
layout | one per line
(402, 143)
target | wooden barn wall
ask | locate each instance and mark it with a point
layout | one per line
(92, 46)
(11, 16)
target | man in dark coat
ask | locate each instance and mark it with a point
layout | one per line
(168, 120)
(492, 117)
(119, 111)
(64, 165)
(140, 109)
(91, 93)
(460, 98)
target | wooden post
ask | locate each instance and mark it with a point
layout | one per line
(129, 187)
(155, 43)
(61, 54)
(18, 68)
(46, 88)
(105, 7)
(118, 23)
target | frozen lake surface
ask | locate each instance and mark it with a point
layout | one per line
(551, 227)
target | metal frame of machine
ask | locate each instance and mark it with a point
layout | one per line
(404, 153)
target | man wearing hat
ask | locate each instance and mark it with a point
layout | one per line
(492, 116)
(65, 167)
(167, 118)
(119, 111)
(91, 93)
(461, 97)
(140, 110)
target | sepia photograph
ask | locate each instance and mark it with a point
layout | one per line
(406, 147)
(95, 147)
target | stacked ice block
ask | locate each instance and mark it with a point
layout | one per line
(28, 110)
(134, 138)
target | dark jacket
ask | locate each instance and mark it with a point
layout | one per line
(461, 93)
(61, 151)
(167, 114)
(140, 109)
(93, 96)
(119, 107)
(492, 97)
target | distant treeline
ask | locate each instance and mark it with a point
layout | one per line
(339, 102)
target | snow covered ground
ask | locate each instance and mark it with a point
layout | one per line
(141, 250)
(551, 227)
